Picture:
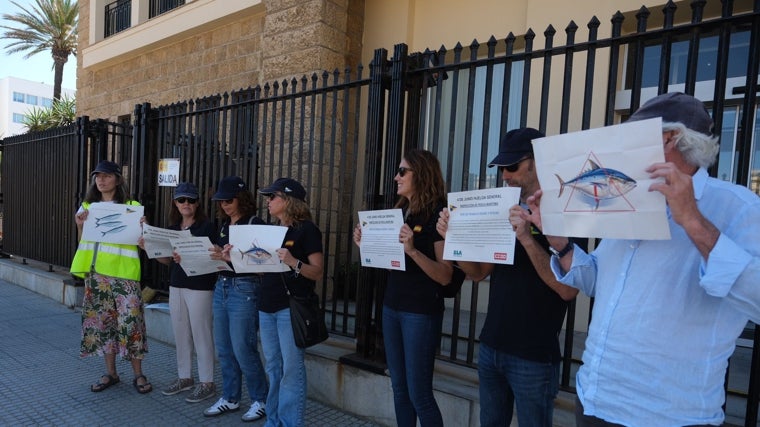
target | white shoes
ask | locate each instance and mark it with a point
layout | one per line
(220, 407)
(257, 411)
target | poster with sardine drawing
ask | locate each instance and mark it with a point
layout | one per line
(595, 182)
(254, 248)
(113, 223)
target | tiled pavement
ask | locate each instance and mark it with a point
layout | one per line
(43, 381)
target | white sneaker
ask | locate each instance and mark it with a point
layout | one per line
(220, 407)
(257, 411)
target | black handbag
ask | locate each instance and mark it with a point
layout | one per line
(306, 318)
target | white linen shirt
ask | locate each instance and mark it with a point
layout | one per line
(665, 321)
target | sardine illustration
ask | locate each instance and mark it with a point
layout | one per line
(107, 218)
(256, 254)
(599, 183)
(114, 230)
(108, 224)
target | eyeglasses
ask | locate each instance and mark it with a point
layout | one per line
(403, 170)
(226, 202)
(514, 166)
(182, 200)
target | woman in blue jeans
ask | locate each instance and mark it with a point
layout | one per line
(302, 252)
(413, 306)
(236, 311)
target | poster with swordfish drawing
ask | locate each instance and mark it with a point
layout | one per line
(254, 248)
(113, 223)
(595, 182)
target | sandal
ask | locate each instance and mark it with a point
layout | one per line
(143, 388)
(100, 385)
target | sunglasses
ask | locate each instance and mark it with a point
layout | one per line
(226, 202)
(402, 171)
(514, 166)
(272, 196)
(182, 200)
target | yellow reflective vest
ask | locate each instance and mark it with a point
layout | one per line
(109, 259)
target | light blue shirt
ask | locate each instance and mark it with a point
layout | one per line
(665, 321)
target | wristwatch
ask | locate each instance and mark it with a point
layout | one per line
(297, 269)
(562, 252)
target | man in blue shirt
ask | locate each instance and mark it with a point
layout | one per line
(667, 313)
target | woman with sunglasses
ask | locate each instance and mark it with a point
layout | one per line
(413, 307)
(302, 252)
(236, 318)
(190, 299)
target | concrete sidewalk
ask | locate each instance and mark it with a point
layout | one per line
(43, 381)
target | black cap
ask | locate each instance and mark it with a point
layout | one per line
(677, 107)
(186, 189)
(514, 145)
(229, 187)
(287, 186)
(106, 166)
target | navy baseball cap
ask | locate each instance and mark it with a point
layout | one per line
(677, 107)
(514, 145)
(287, 186)
(186, 189)
(106, 166)
(229, 187)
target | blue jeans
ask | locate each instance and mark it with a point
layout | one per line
(506, 380)
(236, 320)
(286, 402)
(411, 341)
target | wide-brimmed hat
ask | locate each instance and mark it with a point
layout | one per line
(515, 145)
(677, 107)
(229, 187)
(288, 186)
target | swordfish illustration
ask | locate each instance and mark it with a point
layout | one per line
(256, 254)
(599, 183)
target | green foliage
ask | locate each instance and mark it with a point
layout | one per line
(62, 113)
(48, 26)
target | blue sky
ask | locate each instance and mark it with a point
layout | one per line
(38, 68)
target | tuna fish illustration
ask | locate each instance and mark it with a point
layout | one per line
(599, 183)
(256, 254)
(108, 224)
(114, 230)
(107, 218)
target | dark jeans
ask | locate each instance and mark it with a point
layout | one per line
(410, 343)
(591, 421)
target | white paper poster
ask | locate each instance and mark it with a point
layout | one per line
(380, 247)
(157, 241)
(479, 228)
(595, 182)
(113, 223)
(254, 248)
(195, 257)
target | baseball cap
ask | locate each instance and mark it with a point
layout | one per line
(514, 145)
(677, 107)
(186, 189)
(107, 166)
(287, 186)
(229, 187)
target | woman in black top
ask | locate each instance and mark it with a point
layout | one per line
(190, 299)
(236, 318)
(413, 307)
(302, 252)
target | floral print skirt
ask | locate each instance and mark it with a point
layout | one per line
(112, 318)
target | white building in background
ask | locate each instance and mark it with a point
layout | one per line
(19, 96)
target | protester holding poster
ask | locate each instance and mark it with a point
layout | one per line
(190, 299)
(413, 307)
(667, 313)
(519, 356)
(236, 313)
(112, 310)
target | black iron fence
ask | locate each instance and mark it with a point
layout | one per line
(118, 17)
(455, 102)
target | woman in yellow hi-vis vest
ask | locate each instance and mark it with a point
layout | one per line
(112, 311)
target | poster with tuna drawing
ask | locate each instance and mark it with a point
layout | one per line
(113, 223)
(595, 182)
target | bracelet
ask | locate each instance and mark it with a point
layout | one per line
(562, 252)
(297, 269)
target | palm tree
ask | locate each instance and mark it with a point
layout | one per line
(50, 25)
